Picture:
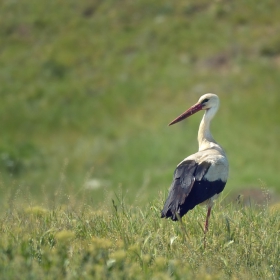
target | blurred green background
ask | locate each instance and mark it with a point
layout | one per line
(88, 88)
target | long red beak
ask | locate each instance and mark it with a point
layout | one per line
(195, 108)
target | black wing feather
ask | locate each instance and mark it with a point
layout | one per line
(189, 189)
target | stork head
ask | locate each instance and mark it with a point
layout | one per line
(205, 102)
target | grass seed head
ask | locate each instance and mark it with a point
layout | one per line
(36, 210)
(65, 236)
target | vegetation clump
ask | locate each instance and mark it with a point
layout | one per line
(242, 243)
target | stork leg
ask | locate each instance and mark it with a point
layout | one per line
(207, 219)
(206, 224)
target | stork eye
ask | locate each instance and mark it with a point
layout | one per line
(205, 100)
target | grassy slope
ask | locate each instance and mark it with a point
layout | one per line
(87, 91)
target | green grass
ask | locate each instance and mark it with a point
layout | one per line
(118, 241)
(87, 89)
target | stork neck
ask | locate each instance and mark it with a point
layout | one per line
(205, 139)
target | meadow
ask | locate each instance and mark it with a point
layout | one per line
(124, 242)
(87, 90)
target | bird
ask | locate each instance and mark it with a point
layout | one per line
(202, 176)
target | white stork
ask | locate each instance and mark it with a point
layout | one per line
(202, 176)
